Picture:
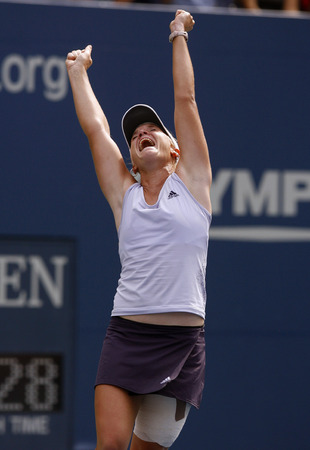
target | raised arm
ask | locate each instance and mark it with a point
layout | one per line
(194, 166)
(113, 176)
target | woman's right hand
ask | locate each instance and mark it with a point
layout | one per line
(79, 58)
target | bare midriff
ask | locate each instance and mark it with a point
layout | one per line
(183, 319)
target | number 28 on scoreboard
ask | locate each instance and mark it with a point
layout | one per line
(30, 383)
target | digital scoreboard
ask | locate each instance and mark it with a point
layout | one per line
(37, 298)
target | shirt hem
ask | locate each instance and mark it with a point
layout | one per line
(138, 311)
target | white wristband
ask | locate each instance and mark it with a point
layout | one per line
(174, 34)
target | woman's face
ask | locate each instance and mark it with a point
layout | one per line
(149, 143)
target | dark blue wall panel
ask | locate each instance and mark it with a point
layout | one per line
(252, 88)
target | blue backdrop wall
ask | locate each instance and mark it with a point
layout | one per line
(252, 83)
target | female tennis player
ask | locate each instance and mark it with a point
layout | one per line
(152, 364)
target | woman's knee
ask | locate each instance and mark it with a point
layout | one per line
(112, 443)
(115, 412)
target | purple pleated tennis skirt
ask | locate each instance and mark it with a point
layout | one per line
(162, 359)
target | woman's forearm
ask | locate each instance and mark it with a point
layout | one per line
(182, 70)
(88, 110)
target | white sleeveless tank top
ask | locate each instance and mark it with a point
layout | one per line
(163, 252)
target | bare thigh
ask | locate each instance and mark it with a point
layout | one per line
(115, 413)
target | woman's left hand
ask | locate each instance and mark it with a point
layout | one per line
(183, 21)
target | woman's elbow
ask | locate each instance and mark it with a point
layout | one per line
(185, 100)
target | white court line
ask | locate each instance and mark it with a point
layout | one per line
(260, 234)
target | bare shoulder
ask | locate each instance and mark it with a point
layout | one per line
(194, 167)
(198, 184)
(116, 197)
(113, 175)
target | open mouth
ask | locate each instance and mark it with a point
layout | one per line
(146, 142)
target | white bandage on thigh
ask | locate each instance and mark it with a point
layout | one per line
(160, 419)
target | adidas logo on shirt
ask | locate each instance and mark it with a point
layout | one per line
(172, 194)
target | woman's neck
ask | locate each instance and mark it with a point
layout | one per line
(153, 182)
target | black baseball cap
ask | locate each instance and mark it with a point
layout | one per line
(138, 114)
